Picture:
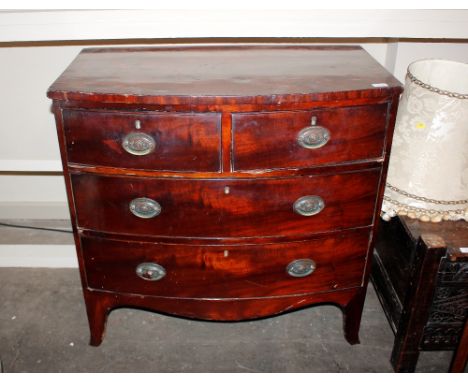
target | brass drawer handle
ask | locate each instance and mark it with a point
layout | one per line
(301, 267)
(150, 271)
(145, 208)
(309, 205)
(138, 143)
(313, 137)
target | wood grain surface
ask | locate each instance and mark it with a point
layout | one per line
(263, 74)
(270, 140)
(226, 271)
(226, 172)
(183, 141)
(203, 208)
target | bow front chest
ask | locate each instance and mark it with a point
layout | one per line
(224, 182)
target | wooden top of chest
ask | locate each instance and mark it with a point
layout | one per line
(223, 74)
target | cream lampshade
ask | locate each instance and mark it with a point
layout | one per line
(428, 170)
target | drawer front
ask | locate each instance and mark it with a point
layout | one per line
(147, 140)
(291, 140)
(226, 271)
(224, 207)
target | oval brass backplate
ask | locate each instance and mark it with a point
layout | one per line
(145, 208)
(150, 271)
(309, 205)
(301, 267)
(138, 143)
(313, 137)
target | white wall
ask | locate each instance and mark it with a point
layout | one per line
(27, 130)
(408, 52)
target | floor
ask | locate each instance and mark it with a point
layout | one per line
(11, 233)
(43, 328)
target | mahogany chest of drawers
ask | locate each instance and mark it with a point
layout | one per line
(224, 182)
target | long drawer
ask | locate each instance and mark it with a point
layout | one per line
(296, 139)
(329, 263)
(182, 142)
(225, 207)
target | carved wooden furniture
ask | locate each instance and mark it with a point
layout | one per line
(420, 273)
(460, 358)
(224, 182)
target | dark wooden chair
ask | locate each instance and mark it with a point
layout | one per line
(420, 273)
(460, 357)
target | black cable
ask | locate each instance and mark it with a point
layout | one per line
(31, 227)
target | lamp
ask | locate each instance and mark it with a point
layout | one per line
(428, 170)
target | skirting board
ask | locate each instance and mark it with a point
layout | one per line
(30, 165)
(34, 210)
(38, 256)
(48, 25)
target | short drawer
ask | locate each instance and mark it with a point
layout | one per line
(144, 140)
(329, 263)
(225, 207)
(299, 139)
